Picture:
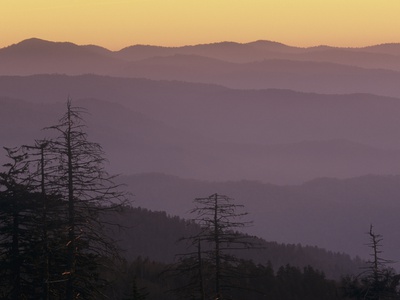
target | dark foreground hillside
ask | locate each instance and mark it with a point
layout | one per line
(155, 235)
(279, 271)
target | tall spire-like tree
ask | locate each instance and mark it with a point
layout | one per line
(378, 281)
(220, 218)
(210, 266)
(88, 191)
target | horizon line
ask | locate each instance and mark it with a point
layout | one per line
(197, 44)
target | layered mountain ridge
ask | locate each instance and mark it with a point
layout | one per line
(255, 65)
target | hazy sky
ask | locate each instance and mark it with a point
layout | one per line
(118, 23)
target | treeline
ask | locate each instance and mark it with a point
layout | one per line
(149, 281)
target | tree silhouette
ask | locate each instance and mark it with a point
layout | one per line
(50, 214)
(18, 228)
(211, 264)
(88, 191)
(378, 281)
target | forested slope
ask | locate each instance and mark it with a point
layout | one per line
(155, 235)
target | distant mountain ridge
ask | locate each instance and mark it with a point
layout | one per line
(249, 116)
(388, 48)
(306, 76)
(272, 136)
(254, 65)
(38, 56)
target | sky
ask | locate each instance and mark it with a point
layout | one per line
(115, 24)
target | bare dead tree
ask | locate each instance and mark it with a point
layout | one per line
(378, 281)
(380, 278)
(52, 198)
(211, 256)
(89, 191)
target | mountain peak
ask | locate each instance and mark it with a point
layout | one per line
(266, 43)
(36, 44)
(37, 41)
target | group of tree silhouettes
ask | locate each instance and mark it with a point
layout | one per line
(54, 244)
(52, 194)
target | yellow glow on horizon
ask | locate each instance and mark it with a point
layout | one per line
(118, 23)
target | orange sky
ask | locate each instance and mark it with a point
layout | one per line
(118, 23)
